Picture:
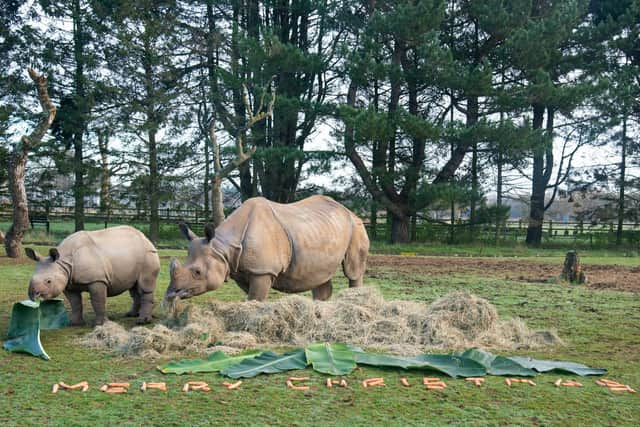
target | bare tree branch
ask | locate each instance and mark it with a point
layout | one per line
(17, 168)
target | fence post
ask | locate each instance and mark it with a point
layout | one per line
(581, 226)
(550, 227)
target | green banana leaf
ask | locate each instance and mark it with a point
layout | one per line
(559, 366)
(497, 365)
(214, 363)
(27, 319)
(332, 359)
(453, 366)
(53, 315)
(267, 363)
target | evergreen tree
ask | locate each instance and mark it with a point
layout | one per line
(73, 55)
(619, 23)
(395, 61)
(146, 85)
(551, 53)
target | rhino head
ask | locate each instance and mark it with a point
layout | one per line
(205, 269)
(50, 277)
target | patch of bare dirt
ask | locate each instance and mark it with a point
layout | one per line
(610, 277)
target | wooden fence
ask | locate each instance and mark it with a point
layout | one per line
(423, 231)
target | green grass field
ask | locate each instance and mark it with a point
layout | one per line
(600, 328)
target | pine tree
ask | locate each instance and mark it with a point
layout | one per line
(146, 84)
(396, 60)
(73, 56)
(550, 52)
(619, 24)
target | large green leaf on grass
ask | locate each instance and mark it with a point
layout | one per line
(53, 315)
(497, 365)
(453, 366)
(559, 366)
(332, 359)
(381, 360)
(27, 319)
(215, 362)
(267, 363)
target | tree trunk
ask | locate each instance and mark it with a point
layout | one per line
(79, 189)
(154, 187)
(217, 202)
(212, 66)
(105, 173)
(13, 239)
(373, 220)
(152, 146)
(499, 196)
(623, 170)
(472, 119)
(400, 228)
(412, 173)
(207, 177)
(452, 222)
(538, 186)
(414, 227)
(78, 184)
(17, 167)
(217, 205)
(247, 184)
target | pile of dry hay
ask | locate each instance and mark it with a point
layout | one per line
(357, 316)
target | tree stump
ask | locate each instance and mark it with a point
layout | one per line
(572, 271)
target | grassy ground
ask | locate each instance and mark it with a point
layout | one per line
(600, 328)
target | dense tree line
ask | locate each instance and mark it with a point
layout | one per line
(432, 103)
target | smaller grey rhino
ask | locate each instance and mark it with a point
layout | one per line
(104, 263)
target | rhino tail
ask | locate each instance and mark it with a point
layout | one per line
(355, 259)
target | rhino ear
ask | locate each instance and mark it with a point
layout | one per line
(209, 231)
(186, 231)
(32, 254)
(54, 254)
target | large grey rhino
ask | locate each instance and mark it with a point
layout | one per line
(262, 245)
(104, 263)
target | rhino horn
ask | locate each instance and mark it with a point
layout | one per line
(173, 266)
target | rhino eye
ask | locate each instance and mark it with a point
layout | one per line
(48, 281)
(196, 272)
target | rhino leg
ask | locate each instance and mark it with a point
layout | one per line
(98, 294)
(75, 301)
(135, 306)
(259, 286)
(322, 292)
(146, 307)
(355, 283)
(145, 288)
